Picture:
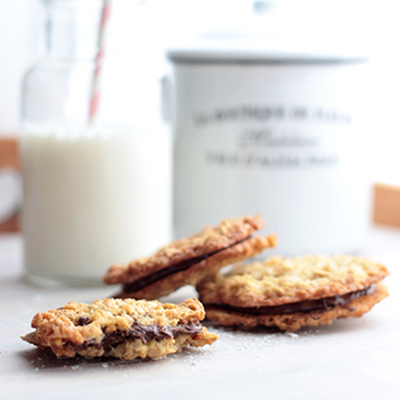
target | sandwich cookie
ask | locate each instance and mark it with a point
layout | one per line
(188, 260)
(288, 293)
(124, 329)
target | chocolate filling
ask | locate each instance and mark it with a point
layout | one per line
(145, 333)
(83, 321)
(306, 306)
(139, 284)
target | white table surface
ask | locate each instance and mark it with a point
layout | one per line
(351, 359)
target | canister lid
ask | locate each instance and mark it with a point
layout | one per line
(237, 47)
(241, 47)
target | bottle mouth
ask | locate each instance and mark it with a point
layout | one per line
(73, 29)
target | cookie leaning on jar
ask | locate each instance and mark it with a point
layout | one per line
(188, 260)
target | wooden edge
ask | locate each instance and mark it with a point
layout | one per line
(9, 152)
(386, 205)
(9, 158)
(11, 225)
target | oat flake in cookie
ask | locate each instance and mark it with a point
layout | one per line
(124, 329)
(188, 260)
(289, 293)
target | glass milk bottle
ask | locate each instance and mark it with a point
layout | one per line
(93, 194)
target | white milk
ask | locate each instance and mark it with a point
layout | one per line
(93, 201)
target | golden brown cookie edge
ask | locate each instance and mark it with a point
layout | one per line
(295, 321)
(210, 239)
(239, 291)
(246, 249)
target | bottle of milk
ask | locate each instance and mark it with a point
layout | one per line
(93, 194)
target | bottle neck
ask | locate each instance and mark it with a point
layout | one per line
(73, 29)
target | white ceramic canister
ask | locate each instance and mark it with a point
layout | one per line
(279, 134)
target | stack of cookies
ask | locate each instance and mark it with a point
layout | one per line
(187, 261)
(285, 293)
(289, 293)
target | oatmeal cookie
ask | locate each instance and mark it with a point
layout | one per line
(124, 329)
(188, 260)
(289, 293)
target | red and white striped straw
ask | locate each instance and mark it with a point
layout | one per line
(95, 92)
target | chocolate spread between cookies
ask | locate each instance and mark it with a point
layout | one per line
(307, 306)
(145, 333)
(139, 284)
